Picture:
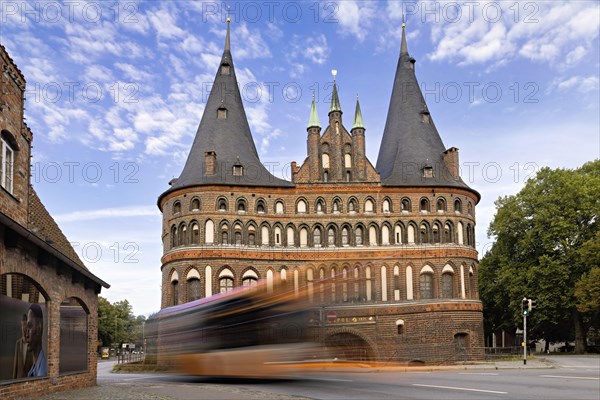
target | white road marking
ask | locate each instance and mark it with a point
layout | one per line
(459, 388)
(581, 366)
(478, 373)
(570, 377)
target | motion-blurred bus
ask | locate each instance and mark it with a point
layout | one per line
(248, 332)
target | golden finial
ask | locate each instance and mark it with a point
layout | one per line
(228, 14)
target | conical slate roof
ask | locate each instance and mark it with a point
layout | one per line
(410, 140)
(358, 119)
(224, 131)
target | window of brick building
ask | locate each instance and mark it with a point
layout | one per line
(426, 286)
(447, 291)
(7, 159)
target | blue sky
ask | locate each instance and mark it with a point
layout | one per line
(115, 93)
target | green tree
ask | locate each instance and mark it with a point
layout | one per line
(542, 236)
(117, 324)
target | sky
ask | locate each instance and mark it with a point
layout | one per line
(116, 90)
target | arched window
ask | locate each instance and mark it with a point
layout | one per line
(195, 233)
(347, 161)
(195, 204)
(290, 236)
(73, 337)
(345, 236)
(397, 283)
(411, 234)
(238, 238)
(447, 233)
(301, 206)
(325, 176)
(405, 204)
(303, 237)
(250, 278)
(436, 233)
(264, 235)
(457, 206)
(174, 239)
(7, 161)
(397, 234)
(260, 207)
(320, 206)
(279, 207)
(336, 206)
(310, 283)
(182, 235)
(241, 205)
(317, 237)
(176, 207)
(174, 288)
(251, 236)
(426, 285)
(447, 285)
(385, 235)
(386, 206)
(352, 206)
(372, 236)
(358, 237)
(209, 232)
(224, 234)
(348, 176)
(193, 284)
(345, 284)
(225, 280)
(369, 207)
(331, 237)
(424, 233)
(441, 204)
(424, 205)
(459, 232)
(222, 204)
(470, 208)
(325, 160)
(278, 238)
(368, 284)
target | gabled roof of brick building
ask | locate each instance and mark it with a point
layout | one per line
(410, 140)
(229, 138)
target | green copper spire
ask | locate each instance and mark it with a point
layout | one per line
(358, 119)
(335, 100)
(313, 120)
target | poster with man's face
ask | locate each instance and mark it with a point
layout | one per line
(23, 329)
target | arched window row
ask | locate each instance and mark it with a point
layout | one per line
(350, 205)
(337, 283)
(322, 235)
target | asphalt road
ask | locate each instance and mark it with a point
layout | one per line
(572, 377)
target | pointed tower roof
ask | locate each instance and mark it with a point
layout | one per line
(313, 120)
(410, 140)
(224, 131)
(335, 100)
(358, 119)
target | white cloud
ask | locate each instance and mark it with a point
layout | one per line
(580, 83)
(165, 24)
(248, 44)
(118, 212)
(355, 17)
(560, 33)
(133, 72)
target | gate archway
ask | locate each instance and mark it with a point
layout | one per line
(349, 346)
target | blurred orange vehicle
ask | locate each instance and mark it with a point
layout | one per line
(260, 331)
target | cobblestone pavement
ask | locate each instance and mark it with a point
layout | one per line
(162, 391)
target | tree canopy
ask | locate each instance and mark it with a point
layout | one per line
(117, 324)
(547, 244)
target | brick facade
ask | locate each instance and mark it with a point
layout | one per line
(32, 246)
(387, 254)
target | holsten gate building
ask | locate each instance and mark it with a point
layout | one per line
(387, 252)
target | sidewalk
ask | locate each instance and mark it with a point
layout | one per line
(534, 363)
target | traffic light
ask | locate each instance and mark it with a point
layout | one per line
(525, 306)
(532, 304)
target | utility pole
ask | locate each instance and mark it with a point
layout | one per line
(525, 306)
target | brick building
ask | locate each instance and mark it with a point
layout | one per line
(386, 252)
(48, 298)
